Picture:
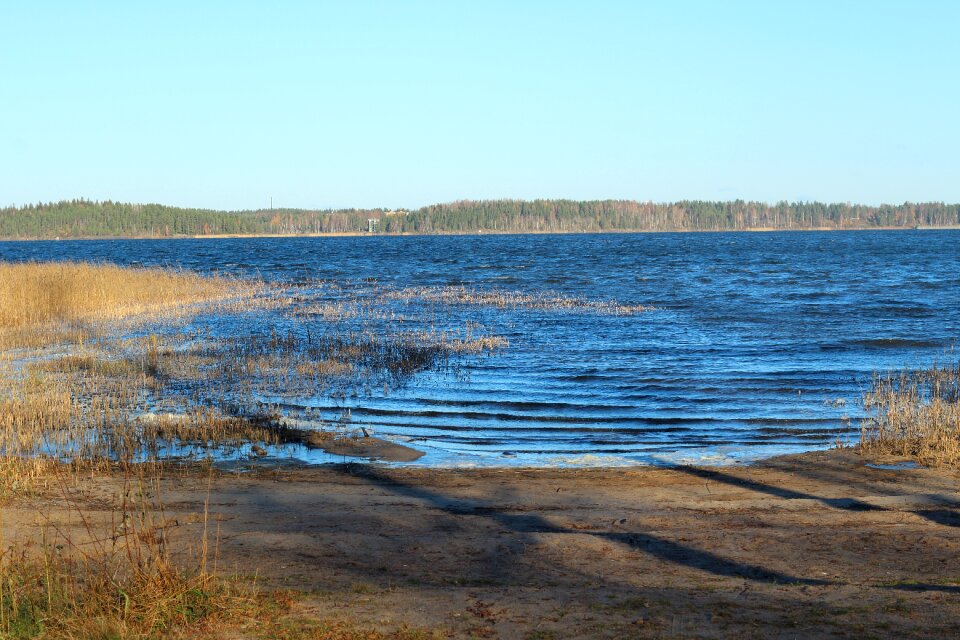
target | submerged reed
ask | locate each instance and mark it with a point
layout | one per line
(504, 299)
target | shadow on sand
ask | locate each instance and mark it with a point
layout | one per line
(660, 548)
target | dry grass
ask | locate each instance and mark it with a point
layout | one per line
(43, 303)
(130, 571)
(915, 414)
(114, 579)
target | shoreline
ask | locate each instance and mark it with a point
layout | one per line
(408, 455)
(362, 234)
(808, 543)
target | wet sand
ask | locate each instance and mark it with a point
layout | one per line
(817, 545)
(366, 446)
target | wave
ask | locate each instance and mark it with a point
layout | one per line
(882, 343)
(898, 343)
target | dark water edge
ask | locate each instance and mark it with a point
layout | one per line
(760, 344)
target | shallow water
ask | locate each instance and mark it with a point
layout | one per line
(759, 344)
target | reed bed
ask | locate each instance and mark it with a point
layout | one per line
(92, 422)
(44, 303)
(914, 413)
(93, 402)
(342, 361)
(92, 411)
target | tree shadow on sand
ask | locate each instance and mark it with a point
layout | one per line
(945, 517)
(653, 545)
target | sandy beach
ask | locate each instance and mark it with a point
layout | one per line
(818, 545)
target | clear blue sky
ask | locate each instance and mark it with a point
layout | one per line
(400, 104)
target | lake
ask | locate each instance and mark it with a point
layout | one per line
(758, 344)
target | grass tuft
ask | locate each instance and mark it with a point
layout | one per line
(914, 413)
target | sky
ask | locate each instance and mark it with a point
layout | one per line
(401, 104)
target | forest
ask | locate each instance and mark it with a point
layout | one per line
(98, 219)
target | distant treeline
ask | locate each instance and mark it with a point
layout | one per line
(84, 218)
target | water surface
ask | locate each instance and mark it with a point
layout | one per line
(760, 343)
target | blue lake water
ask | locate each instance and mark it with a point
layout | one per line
(759, 344)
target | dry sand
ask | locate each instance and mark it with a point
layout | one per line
(802, 546)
